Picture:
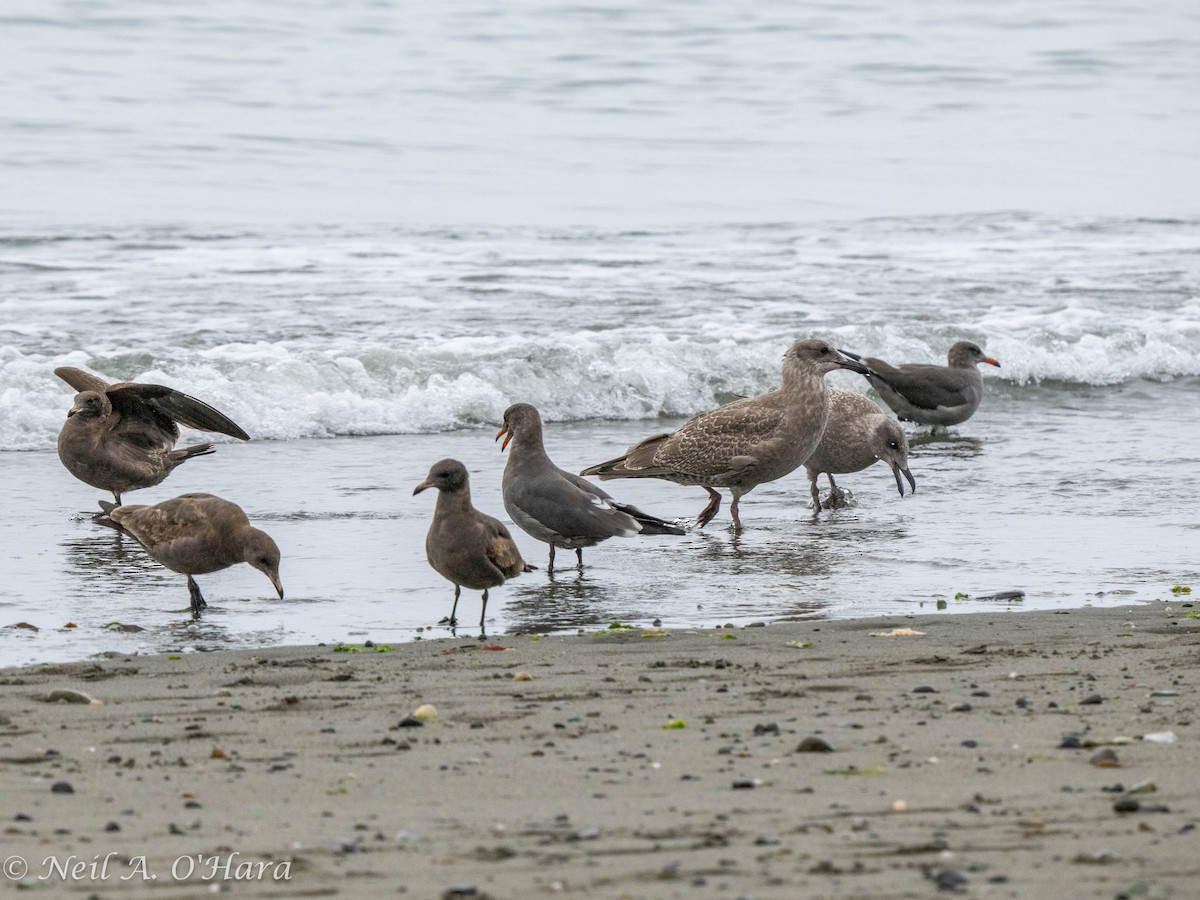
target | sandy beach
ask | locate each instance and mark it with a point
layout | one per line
(1015, 754)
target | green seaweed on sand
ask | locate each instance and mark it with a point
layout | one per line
(361, 648)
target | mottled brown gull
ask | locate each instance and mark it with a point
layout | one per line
(744, 443)
(556, 506)
(928, 394)
(121, 437)
(857, 434)
(194, 534)
(465, 546)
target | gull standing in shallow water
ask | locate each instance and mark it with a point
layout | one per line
(744, 443)
(466, 547)
(928, 394)
(195, 534)
(121, 437)
(857, 434)
(556, 506)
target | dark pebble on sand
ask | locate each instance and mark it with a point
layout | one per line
(22, 817)
(62, 787)
(743, 784)
(112, 826)
(409, 722)
(814, 744)
(1070, 742)
(769, 728)
(962, 707)
(970, 745)
(980, 694)
(1093, 700)
(950, 880)
(460, 890)
(1126, 805)
(924, 689)
(1022, 702)
(175, 829)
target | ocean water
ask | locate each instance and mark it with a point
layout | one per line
(362, 230)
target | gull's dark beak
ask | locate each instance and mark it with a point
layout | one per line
(850, 361)
(896, 470)
(420, 487)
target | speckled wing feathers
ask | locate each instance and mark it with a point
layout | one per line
(710, 444)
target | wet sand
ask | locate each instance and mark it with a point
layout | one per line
(630, 763)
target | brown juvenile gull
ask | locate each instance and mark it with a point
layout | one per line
(195, 534)
(466, 547)
(857, 434)
(121, 437)
(744, 443)
(929, 394)
(556, 506)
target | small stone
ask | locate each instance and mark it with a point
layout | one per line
(1143, 787)
(112, 826)
(1126, 805)
(925, 689)
(970, 745)
(1105, 759)
(1091, 700)
(814, 744)
(950, 880)
(522, 676)
(744, 784)
(769, 728)
(962, 707)
(426, 712)
(62, 787)
(1070, 742)
(409, 722)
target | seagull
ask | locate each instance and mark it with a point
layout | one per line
(194, 534)
(466, 547)
(928, 394)
(857, 434)
(744, 443)
(556, 506)
(121, 437)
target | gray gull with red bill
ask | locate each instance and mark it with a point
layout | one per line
(556, 506)
(928, 394)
